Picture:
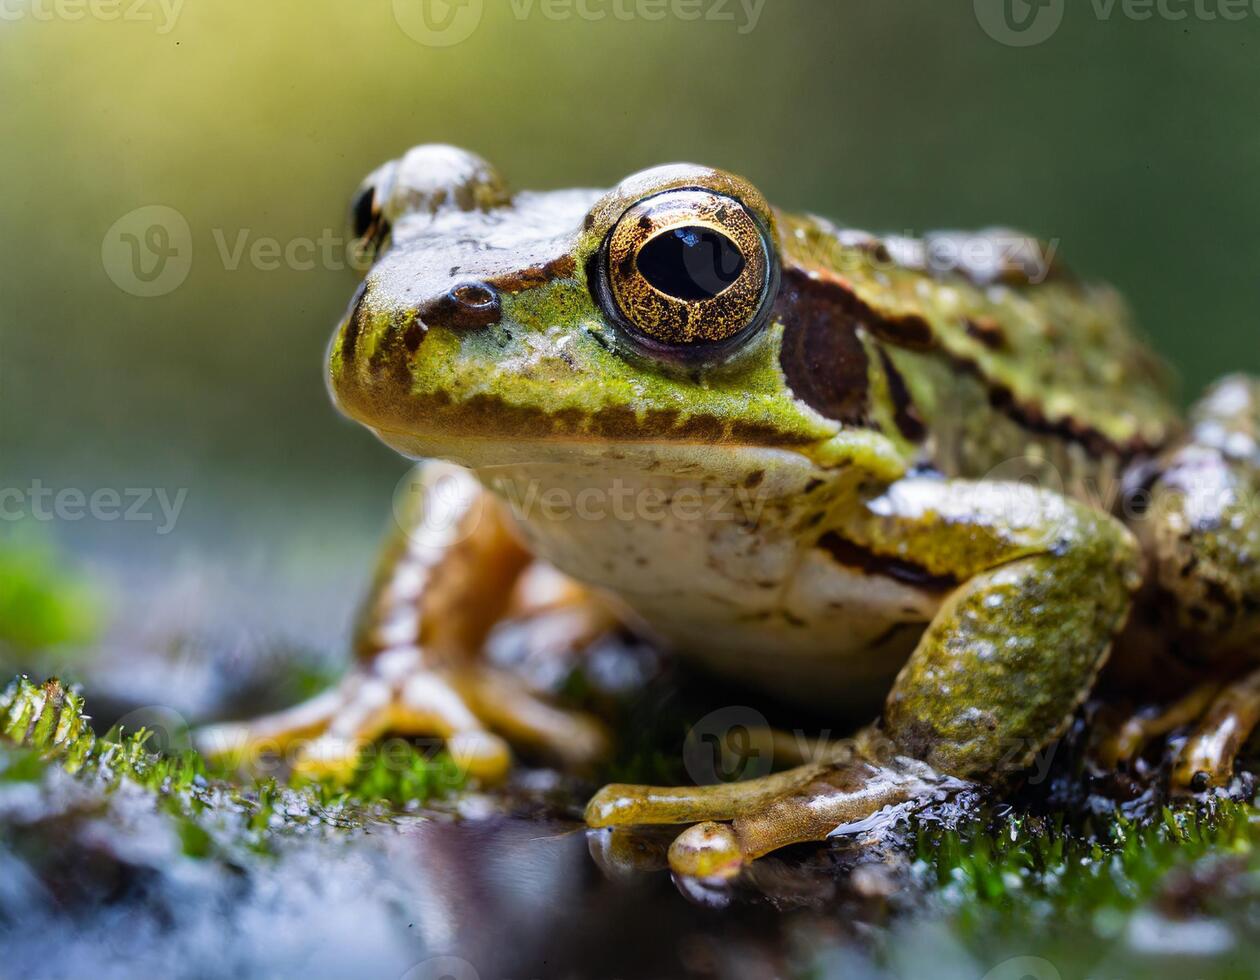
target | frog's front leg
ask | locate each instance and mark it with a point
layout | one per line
(1044, 586)
(448, 574)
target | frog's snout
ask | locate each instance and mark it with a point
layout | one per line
(377, 335)
(375, 349)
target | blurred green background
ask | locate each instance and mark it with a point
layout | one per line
(1134, 143)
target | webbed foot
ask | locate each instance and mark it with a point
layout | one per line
(475, 709)
(1221, 717)
(1206, 760)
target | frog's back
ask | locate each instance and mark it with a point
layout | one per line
(973, 350)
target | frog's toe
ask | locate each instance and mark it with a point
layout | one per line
(423, 704)
(242, 744)
(707, 850)
(739, 822)
(574, 738)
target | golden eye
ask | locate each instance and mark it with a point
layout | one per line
(688, 270)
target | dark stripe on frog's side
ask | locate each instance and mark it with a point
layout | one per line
(1032, 418)
(988, 331)
(851, 555)
(834, 310)
(905, 414)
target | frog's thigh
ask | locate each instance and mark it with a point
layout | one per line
(1201, 533)
(1200, 527)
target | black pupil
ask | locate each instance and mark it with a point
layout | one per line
(691, 263)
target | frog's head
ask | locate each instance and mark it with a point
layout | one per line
(540, 323)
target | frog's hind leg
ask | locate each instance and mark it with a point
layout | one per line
(449, 573)
(1044, 585)
(1196, 512)
(1199, 525)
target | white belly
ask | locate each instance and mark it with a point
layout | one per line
(732, 578)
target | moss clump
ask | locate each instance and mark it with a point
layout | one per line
(1028, 867)
(1177, 896)
(404, 776)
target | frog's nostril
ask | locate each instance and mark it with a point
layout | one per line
(467, 306)
(473, 295)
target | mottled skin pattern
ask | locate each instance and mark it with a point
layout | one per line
(925, 449)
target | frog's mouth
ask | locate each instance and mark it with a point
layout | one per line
(482, 445)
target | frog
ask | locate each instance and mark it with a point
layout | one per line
(936, 483)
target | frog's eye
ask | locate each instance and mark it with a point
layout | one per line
(368, 224)
(688, 272)
(363, 211)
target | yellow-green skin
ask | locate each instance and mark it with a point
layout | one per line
(886, 415)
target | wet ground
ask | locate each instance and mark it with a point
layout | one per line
(104, 881)
(477, 886)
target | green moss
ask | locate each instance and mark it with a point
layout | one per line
(45, 725)
(1087, 900)
(395, 772)
(1029, 866)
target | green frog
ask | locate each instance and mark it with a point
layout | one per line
(934, 482)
